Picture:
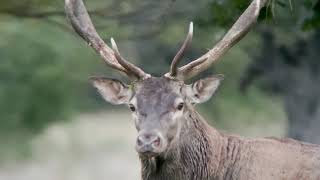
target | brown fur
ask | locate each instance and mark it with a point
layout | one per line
(203, 153)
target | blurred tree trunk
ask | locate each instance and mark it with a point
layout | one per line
(303, 117)
(293, 72)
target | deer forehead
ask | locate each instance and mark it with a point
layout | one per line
(157, 92)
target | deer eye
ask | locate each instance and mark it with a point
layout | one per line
(180, 106)
(132, 108)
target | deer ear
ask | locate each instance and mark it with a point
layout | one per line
(202, 90)
(112, 90)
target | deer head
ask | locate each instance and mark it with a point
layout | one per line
(158, 104)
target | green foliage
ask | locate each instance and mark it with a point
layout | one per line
(224, 13)
(26, 5)
(313, 22)
(38, 76)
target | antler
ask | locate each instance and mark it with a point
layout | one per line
(177, 58)
(82, 24)
(239, 29)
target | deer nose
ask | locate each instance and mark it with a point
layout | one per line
(148, 143)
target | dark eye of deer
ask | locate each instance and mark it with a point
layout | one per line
(132, 108)
(180, 106)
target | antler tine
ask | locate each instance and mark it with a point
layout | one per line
(239, 29)
(126, 64)
(177, 58)
(82, 24)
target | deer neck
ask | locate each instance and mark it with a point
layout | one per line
(193, 155)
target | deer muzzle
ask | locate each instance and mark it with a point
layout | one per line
(149, 144)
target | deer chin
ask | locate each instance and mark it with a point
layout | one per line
(149, 154)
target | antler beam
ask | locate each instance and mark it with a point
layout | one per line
(82, 24)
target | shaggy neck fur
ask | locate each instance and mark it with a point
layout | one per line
(195, 154)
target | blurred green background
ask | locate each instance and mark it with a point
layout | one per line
(271, 87)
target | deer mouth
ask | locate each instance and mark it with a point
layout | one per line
(149, 151)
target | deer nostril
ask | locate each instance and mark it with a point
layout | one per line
(156, 142)
(148, 140)
(139, 142)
